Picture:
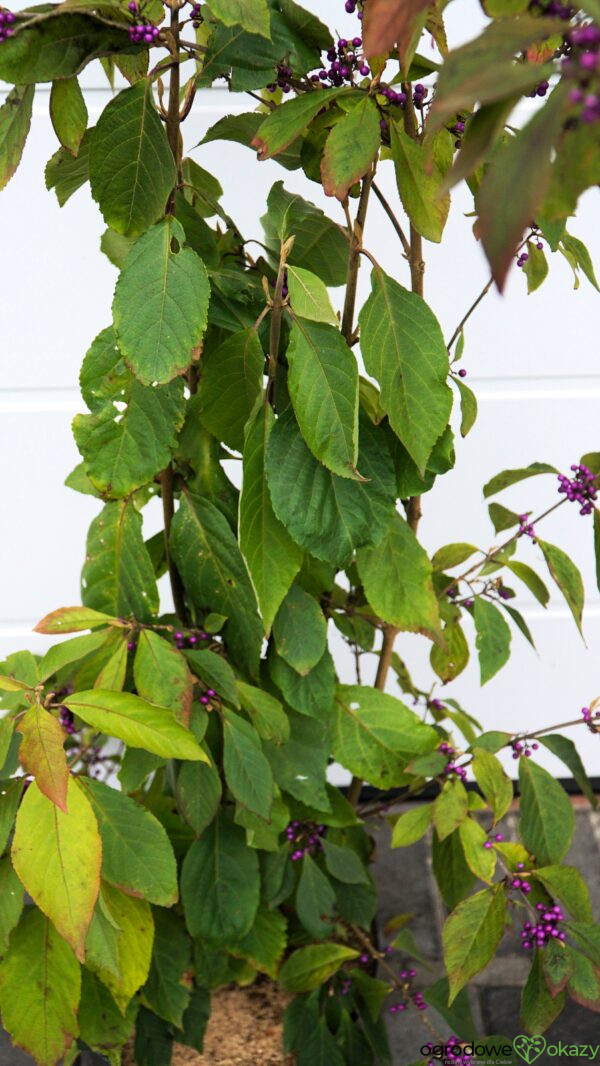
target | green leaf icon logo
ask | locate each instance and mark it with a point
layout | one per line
(529, 1047)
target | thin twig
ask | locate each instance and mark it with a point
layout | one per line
(466, 317)
(390, 214)
(354, 258)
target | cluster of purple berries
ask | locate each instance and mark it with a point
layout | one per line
(141, 32)
(537, 936)
(521, 883)
(453, 1054)
(345, 986)
(417, 998)
(540, 90)
(553, 9)
(189, 640)
(6, 20)
(582, 64)
(65, 717)
(588, 718)
(306, 838)
(345, 59)
(523, 747)
(580, 489)
(504, 593)
(196, 14)
(451, 767)
(351, 6)
(526, 527)
(207, 697)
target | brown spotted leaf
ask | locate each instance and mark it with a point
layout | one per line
(388, 23)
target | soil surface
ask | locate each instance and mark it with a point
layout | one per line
(245, 1029)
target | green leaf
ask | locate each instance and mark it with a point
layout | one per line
(547, 818)
(468, 406)
(419, 181)
(137, 765)
(412, 825)
(511, 477)
(137, 723)
(309, 298)
(350, 148)
(73, 619)
(326, 515)
(493, 638)
(525, 160)
(458, 1016)
(582, 257)
(323, 385)
(137, 856)
(312, 694)
(265, 944)
(123, 451)
(247, 771)
(272, 557)
(220, 884)
(162, 676)
(567, 577)
(300, 631)
(251, 15)
(132, 170)
(198, 794)
(118, 575)
(375, 735)
(40, 1013)
(480, 860)
(344, 864)
(50, 48)
(493, 781)
(319, 244)
(538, 1007)
(282, 126)
(57, 858)
(230, 385)
(557, 964)
(195, 1019)
(471, 935)
(536, 267)
(266, 713)
(450, 661)
(165, 991)
(454, 878)
(212, 568)
(452, 555)
(10, 797)
(153, 1044)
(450, 808)
(133, 918)
(70, 651)
(309, 967)
(102, 1026)
(43, 755)
(11, 902)
(501, 518)
(299, 766)
(566, 884)
(529, 578)
(65, 173)
(397, 579)
(160, 306)
(565, 750)
(15, 120)
(404, 350)
(68, 113)
(215, 672)
(315, 900)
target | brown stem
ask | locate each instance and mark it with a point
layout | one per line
(166, 484)
(472, 308)
(354, 259)
(276, 317)
(390, 214)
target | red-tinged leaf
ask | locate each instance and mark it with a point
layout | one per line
(74, 619)
(388, 23)
(350, 149)
(515, 185)
(42, 754)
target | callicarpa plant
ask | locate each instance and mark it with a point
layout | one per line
(165, 801)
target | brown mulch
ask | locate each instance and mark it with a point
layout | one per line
(245, 1029)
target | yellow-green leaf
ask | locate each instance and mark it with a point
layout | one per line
(68, 113)
(139, 724)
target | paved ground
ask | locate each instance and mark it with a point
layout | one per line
(407, 885)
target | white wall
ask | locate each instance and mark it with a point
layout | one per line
(531, 361)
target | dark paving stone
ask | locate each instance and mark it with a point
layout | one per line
(576, 1025)
(405, 886)
(11, 1056)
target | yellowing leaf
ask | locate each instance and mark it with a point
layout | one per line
(57, 857)
(43, 755)
(139, 724)
(134, 944)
